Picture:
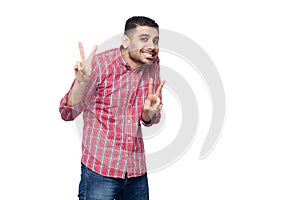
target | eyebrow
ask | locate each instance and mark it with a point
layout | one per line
(144, 34)
(147, 35)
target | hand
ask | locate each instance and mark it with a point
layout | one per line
(83, 68)
(153, 103)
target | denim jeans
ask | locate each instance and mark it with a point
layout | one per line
(94, 186)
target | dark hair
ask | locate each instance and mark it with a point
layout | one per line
(135, 21)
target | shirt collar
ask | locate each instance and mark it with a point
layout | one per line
(122, 60)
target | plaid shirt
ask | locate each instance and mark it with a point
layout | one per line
(112, 143)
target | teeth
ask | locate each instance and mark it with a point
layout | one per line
(149, 54)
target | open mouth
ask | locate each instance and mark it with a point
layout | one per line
(149, 55)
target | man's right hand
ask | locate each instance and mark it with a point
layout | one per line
(83, 68)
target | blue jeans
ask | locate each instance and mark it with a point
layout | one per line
(94, 186)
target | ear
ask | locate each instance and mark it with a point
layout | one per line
(125, 41)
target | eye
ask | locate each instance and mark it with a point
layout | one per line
(144, 39)
(155, 41)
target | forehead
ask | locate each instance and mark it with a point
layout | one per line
(145, 30)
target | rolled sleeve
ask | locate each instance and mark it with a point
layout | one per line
(69, 113)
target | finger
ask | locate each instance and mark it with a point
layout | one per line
(150, 92)
(158, 91)
(93, 52)
(78, 65)
(160, 106)
(81, 51)
(157, 102)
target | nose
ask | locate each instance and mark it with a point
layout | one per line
(150, 45)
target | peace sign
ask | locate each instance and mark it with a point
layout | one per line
(153, 103)
(83, 68)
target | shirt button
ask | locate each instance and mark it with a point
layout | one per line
(128, 121)
(129, 138)
(133, 87)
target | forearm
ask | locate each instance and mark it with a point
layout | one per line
(76, 93)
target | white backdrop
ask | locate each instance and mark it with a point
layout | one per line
(255, 46)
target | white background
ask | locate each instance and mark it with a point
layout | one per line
(254, 45)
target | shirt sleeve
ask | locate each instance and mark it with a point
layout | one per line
(156, 83)
(69, 113)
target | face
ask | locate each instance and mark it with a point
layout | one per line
(141, 46)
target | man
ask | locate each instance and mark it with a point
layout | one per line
(117, 91)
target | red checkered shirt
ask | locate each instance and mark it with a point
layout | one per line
(112, 143)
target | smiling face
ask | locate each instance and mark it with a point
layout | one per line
(140, 46)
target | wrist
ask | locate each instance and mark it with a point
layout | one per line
(81, 83)
(76, 93)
